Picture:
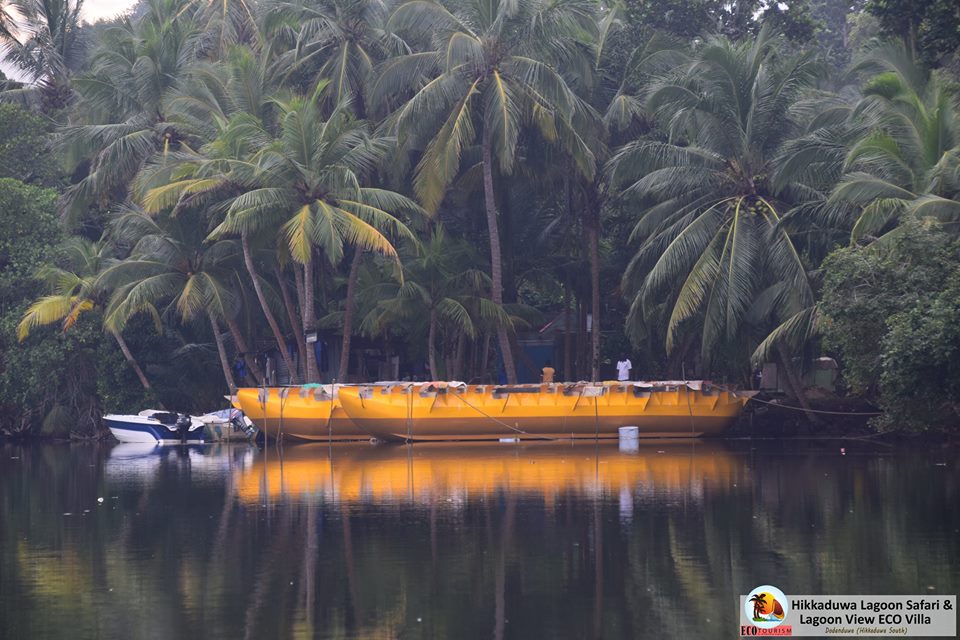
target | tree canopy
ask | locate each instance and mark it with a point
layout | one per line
(440, 184)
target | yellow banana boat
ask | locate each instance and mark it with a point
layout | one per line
(455, 411)
(310, 412)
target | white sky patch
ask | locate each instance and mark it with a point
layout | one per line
(94, 10)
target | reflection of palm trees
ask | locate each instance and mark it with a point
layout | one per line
(598, 571)
(759, 602)
(500, 587)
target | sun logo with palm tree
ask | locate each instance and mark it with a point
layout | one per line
(766, 606)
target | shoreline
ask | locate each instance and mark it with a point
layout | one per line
(761, 420)
(736, 434)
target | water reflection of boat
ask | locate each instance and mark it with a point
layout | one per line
(306, 413)
(143, 461)
(455, 471)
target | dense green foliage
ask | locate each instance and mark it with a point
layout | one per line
(713, 245)
(892, 312)
(26, 394)
(23, 147)
(737, 20)
(439, 180)
(932, 27)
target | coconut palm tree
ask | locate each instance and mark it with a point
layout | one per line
(226, 21)
(712, 251)
(46, 44)
(334, 47)
(612, 92)
(492, 65)
(125, 117)
(439, 284)
(906, 161)
(74, 289)
(171, 267)
(869, 163)
(226, 105)
(340, 41)
(302, 187)
(6, 22)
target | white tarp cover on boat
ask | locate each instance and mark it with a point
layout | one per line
(224, 415)
(694, 385)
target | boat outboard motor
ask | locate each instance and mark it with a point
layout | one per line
(239, 424)
(183, 426)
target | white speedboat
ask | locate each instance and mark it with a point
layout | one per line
(156, 427)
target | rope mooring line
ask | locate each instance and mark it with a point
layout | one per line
(501, 422)
(819, 411)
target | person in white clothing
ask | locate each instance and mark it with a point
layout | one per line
(623, 369)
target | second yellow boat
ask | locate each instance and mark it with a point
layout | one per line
(445, 411)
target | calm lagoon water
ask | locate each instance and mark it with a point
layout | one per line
(541, 540)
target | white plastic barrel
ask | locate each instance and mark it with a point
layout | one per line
(629, 438)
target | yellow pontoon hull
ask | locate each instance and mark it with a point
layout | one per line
(483, 412)
(304, 413)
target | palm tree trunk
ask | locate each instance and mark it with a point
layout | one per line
(131, 360)
(795, 384)
(597, 570)
(485, 357)
(581, 325)
(496, 265)
(301, 298)
(352, 586)
(252, 368)
(448, 360)
(291, 314)
(348, 314)
(431, 349)
(457, 369)
(676, 361)
(500, 584)
(567, 335)
(593, 241)
(271, 320)
(222, 351)
(308, 320)
(298, 280)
